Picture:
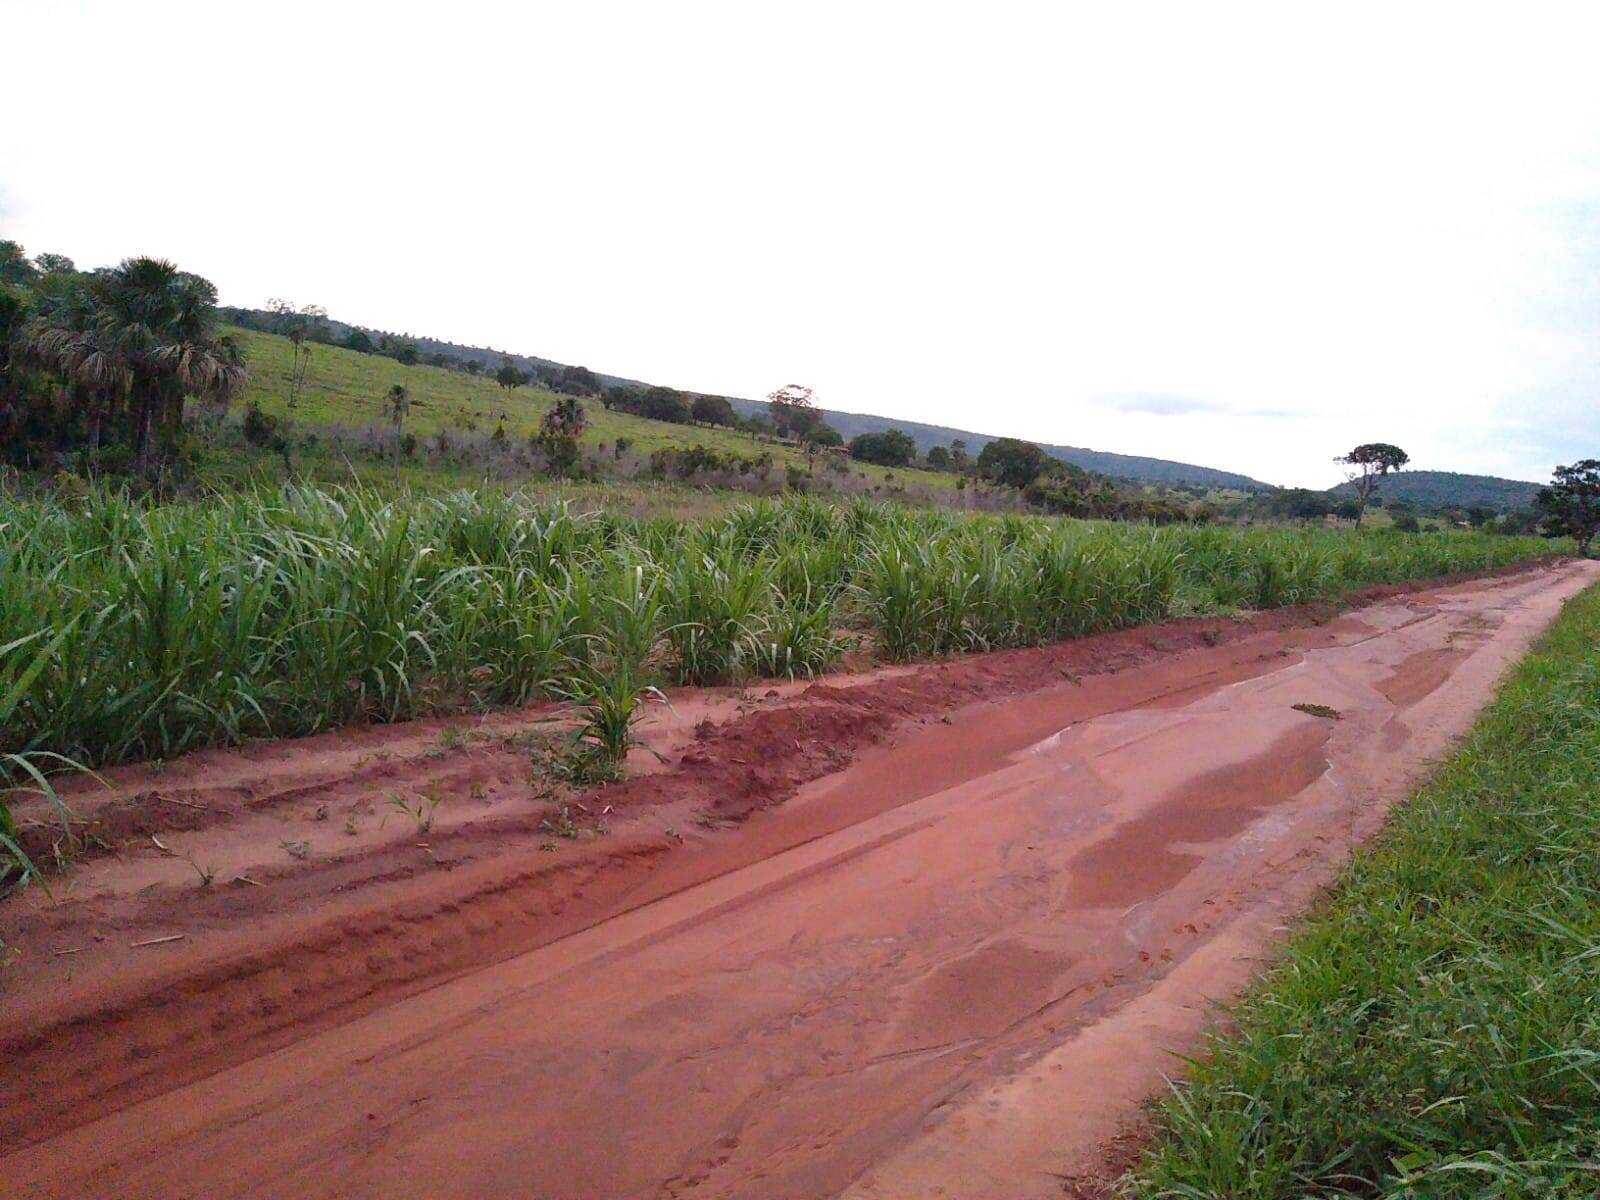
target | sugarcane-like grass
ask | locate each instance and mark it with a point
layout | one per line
(132, 631)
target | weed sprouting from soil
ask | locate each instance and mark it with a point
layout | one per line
(421, 810)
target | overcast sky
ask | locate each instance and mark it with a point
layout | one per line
(1242, 235)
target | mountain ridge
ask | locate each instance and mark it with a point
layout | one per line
(1135, 467)
(1433, 489)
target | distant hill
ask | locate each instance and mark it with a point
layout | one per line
(1101, 462)
(1438, 489)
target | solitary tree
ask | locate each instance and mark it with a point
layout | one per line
(1570, 506)
(816, 438)
(576, 381)
(298, 325)
(714, 410)
(1366, 465)
(793, 409)
(1011, 461)
(510, 376)
(665, 404)
(559, 430)
(398, 405)
(891, 448)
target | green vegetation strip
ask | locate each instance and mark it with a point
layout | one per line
(1433, 1031)
(130, 631)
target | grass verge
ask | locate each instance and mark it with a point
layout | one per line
(1434, 1030)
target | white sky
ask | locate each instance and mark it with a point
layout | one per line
(1244, 235)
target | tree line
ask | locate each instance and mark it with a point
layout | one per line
(96, 367)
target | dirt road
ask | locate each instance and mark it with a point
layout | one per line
(924, 932)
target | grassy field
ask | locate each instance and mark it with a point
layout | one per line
(1434, 1031)
(346, 388)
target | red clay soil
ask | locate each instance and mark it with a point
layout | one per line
(921, 931)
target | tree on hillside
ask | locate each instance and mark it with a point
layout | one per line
(665, 404)
(1570, 506)
(560, 429)
(891, 448)
(817, 438)
(1011, 462)
(1366, 465)
(510, 376)
(939, 458)
(793, 409)
(402, 349)
(398, 405)
(300, 326)
(714, 410)
(758, 426)
(576, 381)
(359, 341)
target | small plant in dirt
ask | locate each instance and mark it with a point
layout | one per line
(608, 704)
(421, 810)
(207, 873)
(561, 823)
(1319, 710)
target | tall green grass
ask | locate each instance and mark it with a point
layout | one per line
(274, 613)
(1435, 1031)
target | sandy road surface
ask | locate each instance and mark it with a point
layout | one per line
(951, 967)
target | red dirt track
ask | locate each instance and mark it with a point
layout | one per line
(925, 931)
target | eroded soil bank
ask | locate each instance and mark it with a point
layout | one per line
(929, 931)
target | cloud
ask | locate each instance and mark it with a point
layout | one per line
(1158, 404)
(1163, 404)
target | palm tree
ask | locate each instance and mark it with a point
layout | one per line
(143, 335)
(66, 335)
(398, 405)
(161, 323)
